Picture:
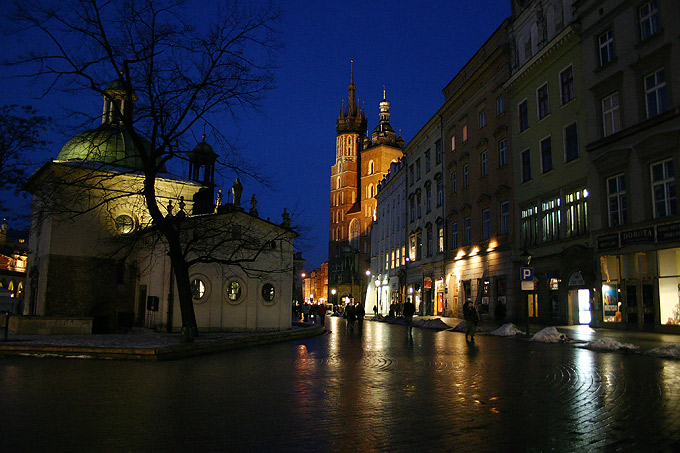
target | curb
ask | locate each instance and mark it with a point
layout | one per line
(172, 352)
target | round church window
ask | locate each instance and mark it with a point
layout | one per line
(125, 224)
(268, 292)
(197, 288)
(233, 291)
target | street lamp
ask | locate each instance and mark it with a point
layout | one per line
(377, 287)
(333, 293)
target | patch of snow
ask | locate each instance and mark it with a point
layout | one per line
(507, 330)
(607, 344)
(462, 327)
(549, 335)
(672, 351)
(435, 324)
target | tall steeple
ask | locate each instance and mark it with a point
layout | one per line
(351, 118)
(351, 89)
(383, 132)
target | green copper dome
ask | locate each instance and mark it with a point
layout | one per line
(108, 144)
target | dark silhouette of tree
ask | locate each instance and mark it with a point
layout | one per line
(183, 71)
(21, 133)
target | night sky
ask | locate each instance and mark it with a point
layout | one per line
(414, 49)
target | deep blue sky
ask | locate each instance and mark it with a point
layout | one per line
(412, 48)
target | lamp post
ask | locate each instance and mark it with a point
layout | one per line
(377, 287)
(333, 301)
(526, 260)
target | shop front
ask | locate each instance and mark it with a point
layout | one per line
(640, 287)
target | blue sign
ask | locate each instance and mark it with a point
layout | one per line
(526, 274)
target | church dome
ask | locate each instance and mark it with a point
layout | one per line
(203, 152)
(108, 144)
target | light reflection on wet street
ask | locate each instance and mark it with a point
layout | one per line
(374, 390)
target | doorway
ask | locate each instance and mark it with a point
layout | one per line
(640, 308)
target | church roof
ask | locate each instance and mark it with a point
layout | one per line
(107, 144)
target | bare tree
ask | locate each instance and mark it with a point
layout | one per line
(21, 132)
(180, 71)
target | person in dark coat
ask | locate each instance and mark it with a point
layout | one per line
(409, 311)
(361, 314)
(471, 320)
(351, 317)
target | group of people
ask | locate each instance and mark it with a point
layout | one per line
(355, 313)
(307, 312)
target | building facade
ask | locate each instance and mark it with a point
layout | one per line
(630, 61)
(361, 162)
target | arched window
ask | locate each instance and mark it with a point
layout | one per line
(354, 234)
(371, 167)
(337, 184)
(369, 193)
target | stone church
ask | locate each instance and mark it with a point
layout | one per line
(94, 252)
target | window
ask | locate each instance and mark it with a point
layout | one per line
(486, 224)
(570, 142)
(482, 119)
(526, 166)
(546, 155)
(197, 288)
(467, 238)
(500, 105)
(529, 225)
(427, 161)
(428, 199)
(663, 189)
(124, 224)
(438, 152)
(655, 93)
(551, 218)
(616, 200)
(419, 244)
(440, 192)
(502, 153)
(440, 236)
(419, 206)
(412, 247)
(484, 163)
(454, 183)
(371, 167)
(466, 175)
(649, 19)
(606, 43)
(523, 110)
(453, 141)
(410, 174)
(611, 120)
(577, 213)
(428, 239)
(268, 292)
(464, 133)
(233, 291)
(454, 236)
(542, 101)
(418, 169)
(567, 85)
(505, 217)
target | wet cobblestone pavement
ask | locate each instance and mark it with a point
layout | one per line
(378, 390)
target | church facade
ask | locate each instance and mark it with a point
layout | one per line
(361, 162)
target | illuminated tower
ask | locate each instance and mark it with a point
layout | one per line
(360, 164)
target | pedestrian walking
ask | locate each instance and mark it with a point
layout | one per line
(409, 311)
(361, 314)
(321, 311)
(471, 320)
(351, 317)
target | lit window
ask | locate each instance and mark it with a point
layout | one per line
(649, 19)
(197, 288)
(465, 137)
(542, 101)
(577, 213)
(611, 119)
(567, 85)
(125, 224)
(551, 218)
(655, 93)
(663, 189)
(606, 43)
(616, 200)
(529, 225)
(268, 292)
(233, 291)
(453, 141)
(440, 234)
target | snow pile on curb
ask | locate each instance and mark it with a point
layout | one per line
(461, 327)
(435, 324)
(549, 335)
(607, 344)
(672, 351)
(507, 330)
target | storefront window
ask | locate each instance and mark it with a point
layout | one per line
(611, 304)
(669, 286)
